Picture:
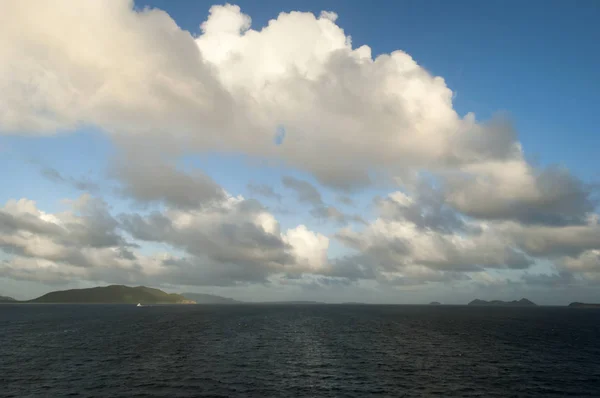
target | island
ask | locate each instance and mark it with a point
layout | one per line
(521, 303)
(297, 302)
(5, 299)
(583, 305)
(203, 298)
(113, 294)
(435, 303)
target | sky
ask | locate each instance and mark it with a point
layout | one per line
(299, 150)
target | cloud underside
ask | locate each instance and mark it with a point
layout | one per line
(414, 240)
(465, 200)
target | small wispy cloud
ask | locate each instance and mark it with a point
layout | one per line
(264, 191)
(79, 184)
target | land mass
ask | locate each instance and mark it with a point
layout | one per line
(435, 303)
(202, 298)
(5, 299)
(114, 294)
(584, 305)
(521, 303)
(290, 302)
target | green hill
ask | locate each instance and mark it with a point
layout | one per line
(114, 294)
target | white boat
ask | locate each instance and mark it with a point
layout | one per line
(139, 305)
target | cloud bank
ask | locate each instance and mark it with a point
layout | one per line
(348, 118)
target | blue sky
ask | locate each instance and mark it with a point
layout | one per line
(534, 61)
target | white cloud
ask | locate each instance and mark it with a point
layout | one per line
(234, 241)
(587, 261)
(420, 231)
(309, 248)
(160, 92)
(553, 241)
(136, 73)
(408, 243)
(516, 190)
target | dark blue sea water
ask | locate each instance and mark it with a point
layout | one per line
(298, 351)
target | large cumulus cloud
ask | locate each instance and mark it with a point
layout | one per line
(137, 73)
(347, 116)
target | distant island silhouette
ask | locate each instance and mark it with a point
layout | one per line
(203, 298)
(6, 299)
(521, 303)
(121, 294)
(113, 294)
(583, 305)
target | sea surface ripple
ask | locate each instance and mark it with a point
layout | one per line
(298, 351)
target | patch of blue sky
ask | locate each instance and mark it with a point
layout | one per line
(81, 154)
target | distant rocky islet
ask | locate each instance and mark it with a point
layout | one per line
(520, 303)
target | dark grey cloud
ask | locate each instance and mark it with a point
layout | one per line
(67, 255)
(559, 279)
(54, 277)
(423, 231)
(331, 213)
(80, 184)
(587, 262)
(552, 241)
(345, 199)
(352, 267)
(225, 238)
(153, 227)
(12, 223)
(369, 266)
(309, 194)
(556, 198)
(224, 246)
(347, 178)
(246, 207)
(477, 258)
(230, 243)
(94, 227)
(443, 253)
(495, 139)
(427, 209)
(305, 191)
(264, 191)
(26, 234)
(150, 179)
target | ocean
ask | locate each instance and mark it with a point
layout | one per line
(298, 351)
